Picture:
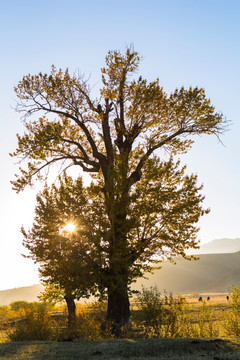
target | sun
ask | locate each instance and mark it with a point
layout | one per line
(68, 229)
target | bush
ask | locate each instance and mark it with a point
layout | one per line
(90, 321)
(164, 316)
(232, 319)
(5, 315)
(205, 322)
(35, 324)
(19, 305)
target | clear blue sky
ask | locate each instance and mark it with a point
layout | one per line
(183, 42)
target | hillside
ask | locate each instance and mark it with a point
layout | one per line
(218, 268)
(218, 246)
(28, 293)
(211, 273)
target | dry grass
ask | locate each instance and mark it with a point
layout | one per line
(215, 310)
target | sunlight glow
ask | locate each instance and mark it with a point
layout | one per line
(68, 229)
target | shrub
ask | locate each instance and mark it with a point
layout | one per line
(232, 319)
(7, 317)
(35, 324)
(89, 323)
(19, 305)
(164, 316)
(205, 322)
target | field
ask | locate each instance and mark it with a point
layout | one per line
(136, 344)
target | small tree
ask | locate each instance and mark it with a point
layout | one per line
(118, 137)
(64, 268)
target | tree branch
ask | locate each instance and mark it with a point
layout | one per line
(85, 157)
(96, 153)
(136, 174)
(106, 131)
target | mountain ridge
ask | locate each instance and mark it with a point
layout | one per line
(211, 273)
(25, 293)
(214, 272)
(217, 246)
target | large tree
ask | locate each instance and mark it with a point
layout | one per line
(151, 207)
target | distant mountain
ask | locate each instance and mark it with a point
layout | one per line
(28, 293)
(218, 246)
(211, 273)
(218, 268)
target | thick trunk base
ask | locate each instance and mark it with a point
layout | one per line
(118, 311)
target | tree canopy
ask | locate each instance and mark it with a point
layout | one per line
(133, 117)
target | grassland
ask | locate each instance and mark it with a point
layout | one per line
(135, 346)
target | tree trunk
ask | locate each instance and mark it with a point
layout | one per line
(71, 314)
(117, 199)
(118, 311)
